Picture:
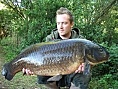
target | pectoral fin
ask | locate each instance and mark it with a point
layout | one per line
(87, 68)
(55, 78)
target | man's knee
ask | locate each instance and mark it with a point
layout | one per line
(80, 81)
(51, 85)
(73, 86)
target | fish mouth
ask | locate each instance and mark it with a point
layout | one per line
(7, 75)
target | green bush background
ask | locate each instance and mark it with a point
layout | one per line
(32, 20)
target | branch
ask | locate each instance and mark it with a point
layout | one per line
(104, 11)
(16, 8)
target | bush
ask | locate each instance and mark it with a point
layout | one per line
(104, 82)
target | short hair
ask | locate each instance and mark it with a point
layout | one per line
(63, 10)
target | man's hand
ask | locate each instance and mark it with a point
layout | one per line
(27, 72)
(81, 68)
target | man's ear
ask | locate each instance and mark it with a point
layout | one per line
(72, 24)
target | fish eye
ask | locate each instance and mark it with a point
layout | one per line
(101, 49)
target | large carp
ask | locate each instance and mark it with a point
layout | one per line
(56, 58)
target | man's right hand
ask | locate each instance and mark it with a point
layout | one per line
(80, 68)
(27, 72)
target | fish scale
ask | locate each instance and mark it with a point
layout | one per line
(54, 58)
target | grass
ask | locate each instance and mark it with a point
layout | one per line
(22, 82)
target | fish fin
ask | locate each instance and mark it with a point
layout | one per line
(87, 68)
(55, 78)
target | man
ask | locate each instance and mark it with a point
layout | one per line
(77, 80)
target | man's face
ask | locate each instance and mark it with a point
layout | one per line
(63, 24)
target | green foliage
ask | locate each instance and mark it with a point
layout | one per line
(5, 20)
(104, 82)
(113, 63)
(10, 48)
(37, 18)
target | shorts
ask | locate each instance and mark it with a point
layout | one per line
(79, 80)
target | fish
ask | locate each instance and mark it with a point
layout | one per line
(56, 58)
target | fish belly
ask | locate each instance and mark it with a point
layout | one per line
(53, 60)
